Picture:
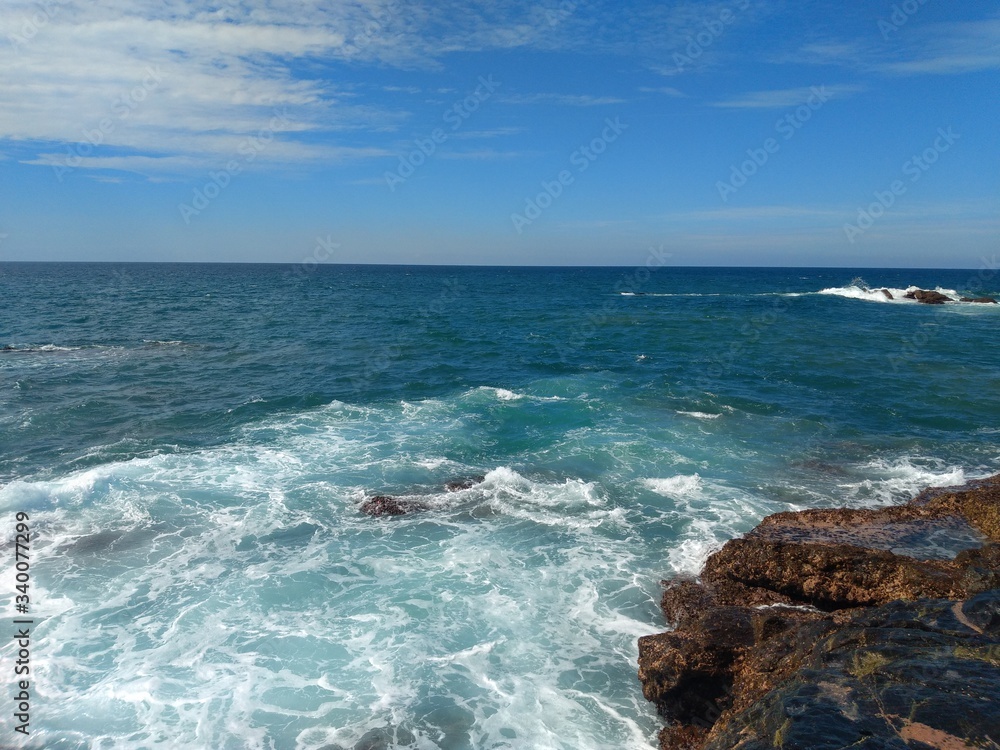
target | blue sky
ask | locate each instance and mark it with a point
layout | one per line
(741, 132)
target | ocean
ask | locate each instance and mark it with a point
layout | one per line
(191, 445)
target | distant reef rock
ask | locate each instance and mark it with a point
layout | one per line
(829, 629)
(936, 298)
(928, 297)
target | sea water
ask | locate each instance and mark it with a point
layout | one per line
(192, 444)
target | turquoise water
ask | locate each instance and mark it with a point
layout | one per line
(192, 444)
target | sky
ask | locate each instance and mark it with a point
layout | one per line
(558, 132)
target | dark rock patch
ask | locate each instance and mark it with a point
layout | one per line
(456, 485)
(384, 505)
(839, 628)
(928, 297)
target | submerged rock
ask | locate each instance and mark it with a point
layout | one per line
(839, 628)
(384, 505)
(887, 293)
(981, 300)
(456, 485)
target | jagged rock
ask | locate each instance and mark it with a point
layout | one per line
(928, 297)
(839, 628)
(982, 300)
(383, 505)
(903, 675)
(887, 293)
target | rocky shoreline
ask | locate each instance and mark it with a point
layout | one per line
(828, 629)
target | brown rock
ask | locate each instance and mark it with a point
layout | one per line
(783, 640)
(928, 297)
(887, 293)
(982, 300)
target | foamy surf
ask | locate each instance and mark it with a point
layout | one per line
(207, 577)
(858, 289)
(217, 586)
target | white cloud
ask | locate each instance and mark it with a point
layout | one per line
(755, 213)
(486, 154)
(952, 48)
(485, 134)
(665, 90)
(932, 49)
(176, 86)
(565, 100)
(224, 68)
(782, 98)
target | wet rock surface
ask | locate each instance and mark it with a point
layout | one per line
(384, 505)
(839, 628)
(387, 505)
(928, 297)
(467, 483)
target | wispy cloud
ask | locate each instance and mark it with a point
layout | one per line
(951, 48)
(486, 154)
(485, 134)
(564, 100)
(755, 213)
(782, 98)
(665, 90)
(224, 68)
(933, 49)
(175, 87)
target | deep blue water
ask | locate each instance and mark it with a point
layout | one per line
(192, 443)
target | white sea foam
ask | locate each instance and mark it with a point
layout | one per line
(678, 486)
(699, 415)
(861, 291)
(216, 587)
(504, 394)
(852, 291)
(191, 594)
(897, 480)
(706, 514)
